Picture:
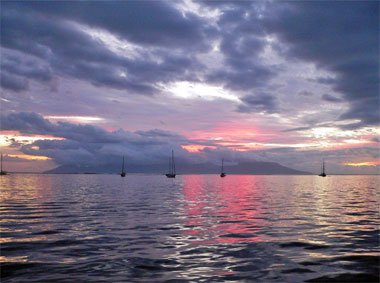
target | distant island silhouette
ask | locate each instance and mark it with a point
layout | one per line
(244, 168)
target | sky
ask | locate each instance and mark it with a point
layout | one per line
(288, 82)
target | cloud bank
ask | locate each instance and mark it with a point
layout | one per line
(300, 68)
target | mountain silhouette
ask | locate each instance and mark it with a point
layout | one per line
(242, 168)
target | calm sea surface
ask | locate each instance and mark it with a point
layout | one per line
(77, 228)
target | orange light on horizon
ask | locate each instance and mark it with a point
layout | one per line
(195, 147)
(359, 164)
(29, 157)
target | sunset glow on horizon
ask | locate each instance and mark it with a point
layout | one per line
(29, 157)
(360, 164)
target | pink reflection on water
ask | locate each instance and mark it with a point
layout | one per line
(26, 188)
(227, 210)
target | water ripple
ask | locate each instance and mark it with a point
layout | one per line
(71, 228)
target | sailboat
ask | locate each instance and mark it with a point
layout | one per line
(222, 173)
(122, 169)
(1, 168)
(171, 173)
(323, 174)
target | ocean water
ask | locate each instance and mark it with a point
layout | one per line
(94, 228)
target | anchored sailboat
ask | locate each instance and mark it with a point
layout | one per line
(323, 174)
(171, 173)
(1, 168)
(122, 169)
(222, 173)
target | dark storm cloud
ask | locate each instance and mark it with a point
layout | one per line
(32, 123)
(365, 109)
(63, 152)
(150, 23)
(258, 103)
(68, 50)
(29, 68)
(341, 37)
(243, 79)
(17, 69)
(13, 82)
(88, 144)
(47, 30)
(238, 48)
(242, 41)
(331, 98)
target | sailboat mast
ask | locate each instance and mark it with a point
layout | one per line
(173, 164)
(323, 167)
(170, 165)
(222, 165)
(122, 168)
(1, 168)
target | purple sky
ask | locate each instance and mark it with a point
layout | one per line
(287, 82)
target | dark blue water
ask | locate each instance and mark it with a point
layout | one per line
(77, 228)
